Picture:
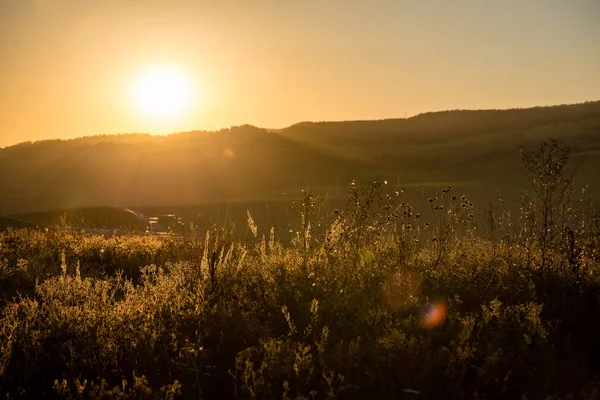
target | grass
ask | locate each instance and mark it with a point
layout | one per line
(372, 300)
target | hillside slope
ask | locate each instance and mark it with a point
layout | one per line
(473, 150)
(438, 126)
(478, 149)
(191, 168)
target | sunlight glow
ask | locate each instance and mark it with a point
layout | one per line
(163, 93)
(228, 152)
(434, 314)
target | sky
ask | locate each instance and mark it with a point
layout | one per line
(69, 68)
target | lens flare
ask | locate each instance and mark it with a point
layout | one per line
(228, 152)
(434, 314)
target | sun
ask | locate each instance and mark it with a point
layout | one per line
(163, 93)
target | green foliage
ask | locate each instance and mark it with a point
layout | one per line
(370, 301)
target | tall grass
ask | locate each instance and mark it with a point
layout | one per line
(370, 301)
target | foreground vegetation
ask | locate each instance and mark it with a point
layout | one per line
(369, 301)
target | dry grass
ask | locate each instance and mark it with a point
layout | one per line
(374, 301)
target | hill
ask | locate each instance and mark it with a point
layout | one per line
(92, 217)
(475, 150)
(14, 223)
(189, 168)
(439, 126)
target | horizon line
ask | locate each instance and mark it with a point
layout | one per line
(300, 123)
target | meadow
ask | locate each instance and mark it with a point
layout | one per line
(369, 300)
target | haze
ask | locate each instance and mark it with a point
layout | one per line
(68, 66)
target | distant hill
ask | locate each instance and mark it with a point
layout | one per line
(14, 223)
(473, 150)
(439, 126)
(242, 163)
(92, 217)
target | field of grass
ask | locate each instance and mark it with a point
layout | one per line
(371, 300)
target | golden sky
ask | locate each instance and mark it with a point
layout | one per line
(68, 68)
